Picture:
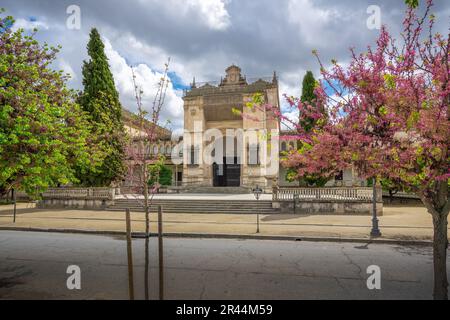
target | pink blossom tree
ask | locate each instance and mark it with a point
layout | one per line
(388, 116)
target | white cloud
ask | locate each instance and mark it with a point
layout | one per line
(29, 25)
(148, 79)
(292, 115)
(213, 12)
(137, 50)
(67, 68)
(311, 20)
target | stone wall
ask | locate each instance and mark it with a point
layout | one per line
(328, 207)
(342, 200)
(78, 198)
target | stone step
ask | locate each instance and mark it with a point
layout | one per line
(240, 202)
(195, 207)
(248, 204)
(217, 190)
(198, 206)
(136, 205)
(267, 204)
(273, 211)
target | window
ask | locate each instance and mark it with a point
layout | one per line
(292, 146)
(254, 154)
(193, 161)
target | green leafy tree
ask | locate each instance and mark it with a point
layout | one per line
(100, 100)
(412, 3)
(308, 98)
(160, 174)
(308, 87)
(44, 134)
(165, 176)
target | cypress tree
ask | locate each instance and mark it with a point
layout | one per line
(309, 83)
(100, 100)
(308, 97)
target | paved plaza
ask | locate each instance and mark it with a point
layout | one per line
(34, 267)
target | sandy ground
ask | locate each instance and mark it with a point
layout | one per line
(398, 222)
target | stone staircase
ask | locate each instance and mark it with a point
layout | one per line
(217, 190)
(199, 206)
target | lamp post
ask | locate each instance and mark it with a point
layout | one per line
(257, 193)
(375, 230)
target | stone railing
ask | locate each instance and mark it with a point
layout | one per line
(79, 193)
(78, 198)
(342, 200)
(341, 194)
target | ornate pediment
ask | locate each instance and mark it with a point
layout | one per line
(233, 77)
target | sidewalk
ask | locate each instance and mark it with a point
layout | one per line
(398, 222)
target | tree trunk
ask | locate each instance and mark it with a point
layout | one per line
(147, 235)
(440, 245)
(438, 205)
(15, 205)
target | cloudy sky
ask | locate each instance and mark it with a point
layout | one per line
(203, 37)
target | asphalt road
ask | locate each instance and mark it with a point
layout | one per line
(34, 265)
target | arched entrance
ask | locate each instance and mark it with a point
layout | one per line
(227, 169)
(227, 174)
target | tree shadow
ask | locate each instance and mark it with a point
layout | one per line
(284, 217)
(21, 211)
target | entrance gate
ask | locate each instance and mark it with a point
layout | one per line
(227, 174)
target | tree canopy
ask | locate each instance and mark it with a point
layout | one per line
(100, 100)
(44, 134)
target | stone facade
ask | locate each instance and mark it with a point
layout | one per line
(221, 110)
(209, 108)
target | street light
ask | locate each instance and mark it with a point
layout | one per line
(257, 193)
(375, 230)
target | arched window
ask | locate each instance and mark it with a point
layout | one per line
(162, 149)
(283, 146)
(155, 150)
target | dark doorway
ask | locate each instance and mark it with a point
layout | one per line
(179, 178)
(227, 174)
